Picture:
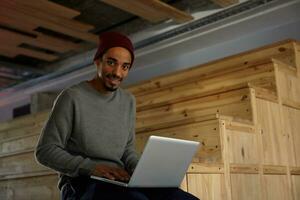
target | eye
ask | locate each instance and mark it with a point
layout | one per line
(110, 62)
(125, 67)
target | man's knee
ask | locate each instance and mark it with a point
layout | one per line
(135, 195)
(178, 194)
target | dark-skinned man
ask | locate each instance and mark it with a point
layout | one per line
(91, 131)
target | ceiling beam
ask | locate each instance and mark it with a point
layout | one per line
(20, 7)
(41, 41)
(51, 8)
(151, 10)
(225, 3)
(40, 20)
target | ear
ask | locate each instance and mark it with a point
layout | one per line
(97, 63)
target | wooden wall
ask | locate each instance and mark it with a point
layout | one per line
(244, 109)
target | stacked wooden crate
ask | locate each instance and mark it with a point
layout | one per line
(244, 109)
(20, 176)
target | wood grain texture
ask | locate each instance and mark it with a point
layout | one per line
(291, 128)
(207, 186)
(273, 139)
(296, 186)
(221, 66)
(276, 187)
(245, 187)
(32, 188)
(151, 10)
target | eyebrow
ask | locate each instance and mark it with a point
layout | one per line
(115, 60)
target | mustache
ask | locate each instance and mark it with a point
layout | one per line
(113, 77)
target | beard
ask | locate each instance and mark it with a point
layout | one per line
(109, 86)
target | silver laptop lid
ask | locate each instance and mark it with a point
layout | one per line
(164, 162)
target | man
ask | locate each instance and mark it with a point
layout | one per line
(91, 131)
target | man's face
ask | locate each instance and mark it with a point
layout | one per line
(113, 67)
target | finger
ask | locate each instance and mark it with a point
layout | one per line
(109, 176)
(117, 175)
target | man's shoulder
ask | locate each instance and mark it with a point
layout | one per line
(127, 94)
(73, 90)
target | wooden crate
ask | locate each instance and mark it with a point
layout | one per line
(30, 188)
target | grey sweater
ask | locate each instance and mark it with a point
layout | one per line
(86, 128)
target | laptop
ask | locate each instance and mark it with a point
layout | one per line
(163, 163)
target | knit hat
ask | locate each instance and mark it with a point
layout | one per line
(109, 40)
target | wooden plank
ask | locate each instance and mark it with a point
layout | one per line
(196, 89)
(225, 156)
(296, 186)
(259, 139)
(186, 77)
(273, 140)
(240, 127)
(225, 3)
(288, 86)
(267, 169)
(276, 187)
(19, 164)
(15, 153)
(244, 169)
(242, 147)
(51, 8)
(291, 104)
(265, 94)
(193, 116)
(205, 132)
(49, 25)
(30, 121)
(18, 133)
(53, 43)
(18, 144)
(10, 54)
(245, 187)
(151, 10)
(285, 68)
(11, 22)
(41, 40)
(34, 188)
(201, 168)
(184, 185)
(291, 118)
(20, 7)
(295, 170)
(257, 56)
(209, 100)
(29, 53)
(36, 54)
(179, 122)
(207, 186)
(297, 61)
(26, 175)
(234, 103)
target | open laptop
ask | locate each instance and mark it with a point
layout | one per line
(163, 163)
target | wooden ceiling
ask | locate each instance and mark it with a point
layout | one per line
(46, 31)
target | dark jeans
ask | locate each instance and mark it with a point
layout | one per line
(89, 189)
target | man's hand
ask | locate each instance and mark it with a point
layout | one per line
(113, 173)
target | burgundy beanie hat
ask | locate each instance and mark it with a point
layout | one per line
(109, 40)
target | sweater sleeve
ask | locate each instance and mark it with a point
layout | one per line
(130, 157)
(51, 148)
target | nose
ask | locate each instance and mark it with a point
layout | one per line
(117, 71)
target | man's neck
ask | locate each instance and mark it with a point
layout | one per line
(97, 84)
